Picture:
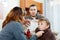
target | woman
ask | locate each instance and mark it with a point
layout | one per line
(12, 26)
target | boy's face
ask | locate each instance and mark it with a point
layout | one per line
(33, 10)
(43, 25)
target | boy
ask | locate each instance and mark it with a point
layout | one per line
(44, 25)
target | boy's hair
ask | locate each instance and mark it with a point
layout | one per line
(44, 19)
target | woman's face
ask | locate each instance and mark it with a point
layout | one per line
(43, 25)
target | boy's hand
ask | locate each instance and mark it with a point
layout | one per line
(40, 33)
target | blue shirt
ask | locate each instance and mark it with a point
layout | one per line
(14, 31)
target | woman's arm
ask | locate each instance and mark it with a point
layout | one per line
(15, 29)
(19, 34)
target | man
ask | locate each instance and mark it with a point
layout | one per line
(33, 12)
(33, 18)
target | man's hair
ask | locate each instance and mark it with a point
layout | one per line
(32, 5)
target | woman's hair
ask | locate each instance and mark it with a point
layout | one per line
(44, 19)
(14, 15)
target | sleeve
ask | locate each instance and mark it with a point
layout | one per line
(52, 37)
(19, 34)
(34, 37)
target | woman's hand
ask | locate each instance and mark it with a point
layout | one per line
(26, 22)
(40, 33)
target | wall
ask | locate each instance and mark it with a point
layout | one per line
(57, 15)
(52, 12)
(41, 1)
(27, 3)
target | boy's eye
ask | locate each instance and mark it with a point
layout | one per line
(41, 23)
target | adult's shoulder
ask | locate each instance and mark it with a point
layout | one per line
(13, 25)
(39, 16)
(28, 17)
